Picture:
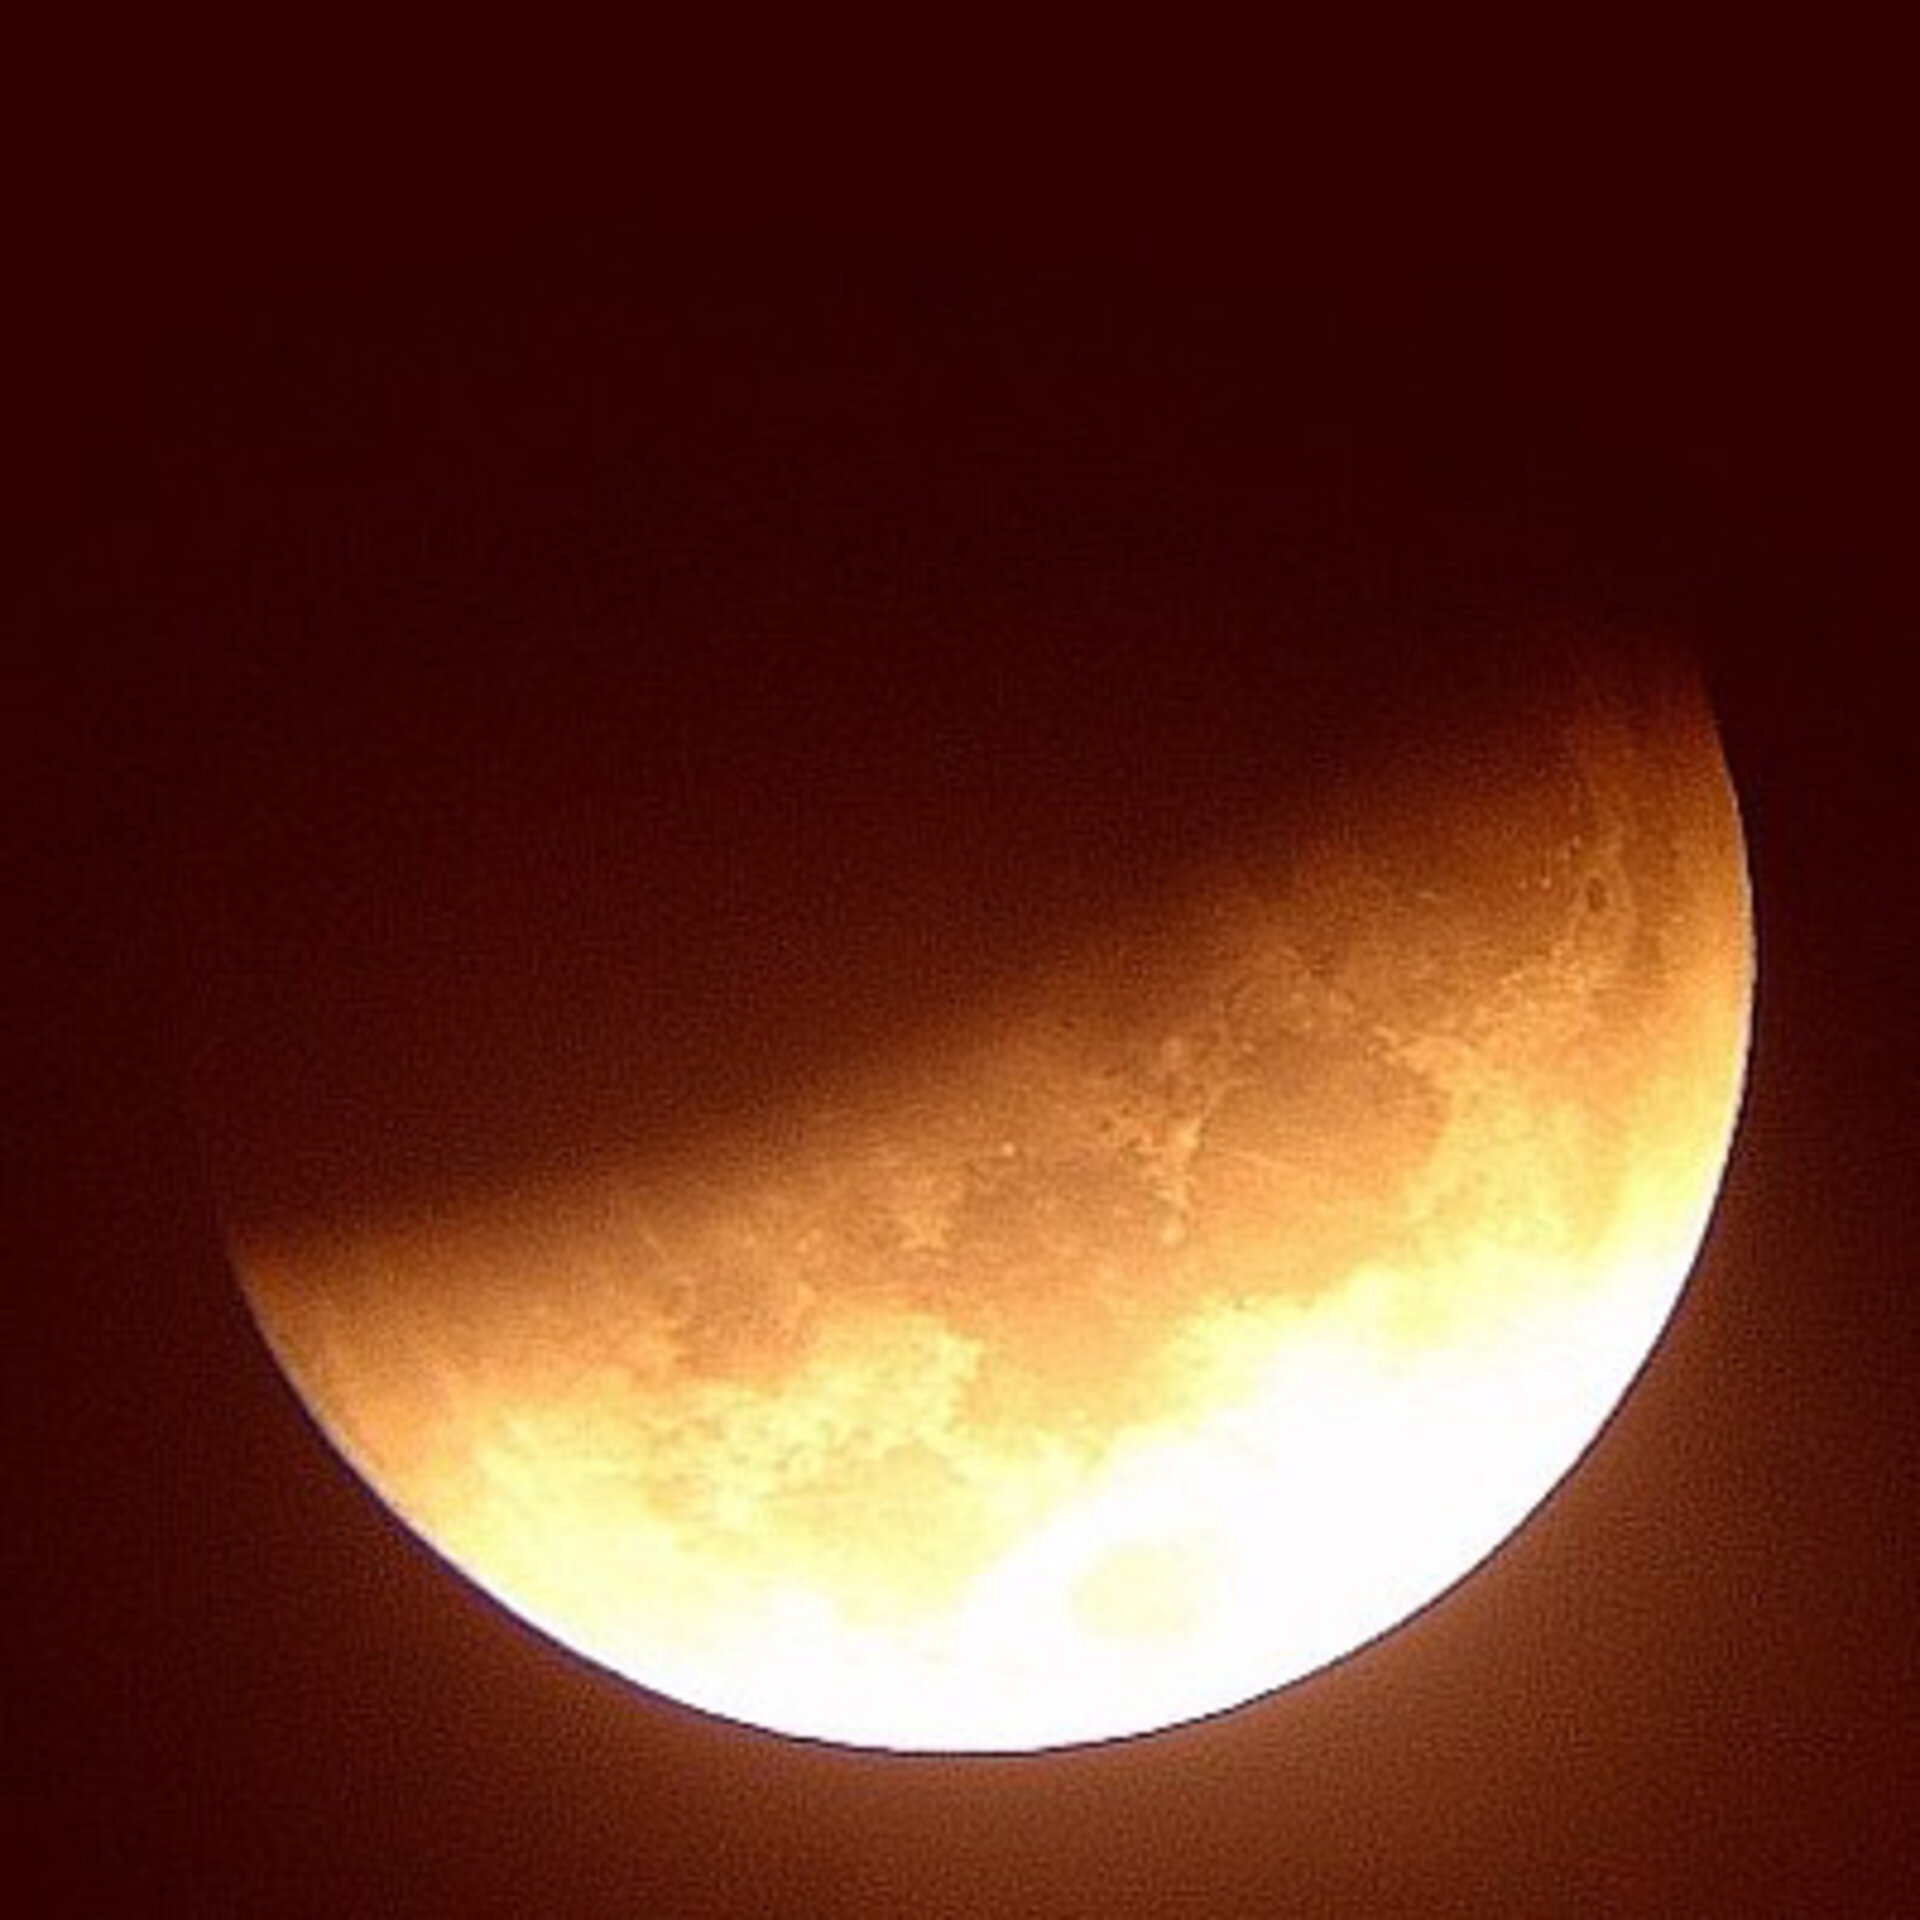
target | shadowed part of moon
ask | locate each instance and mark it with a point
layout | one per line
(870, 1211)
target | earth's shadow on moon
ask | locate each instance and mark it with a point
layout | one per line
(473, 925)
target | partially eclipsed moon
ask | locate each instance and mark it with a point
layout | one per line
(1200, 1299)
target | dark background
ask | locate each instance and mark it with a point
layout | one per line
(293, 423)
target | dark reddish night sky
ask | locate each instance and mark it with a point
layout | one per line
(281, 453)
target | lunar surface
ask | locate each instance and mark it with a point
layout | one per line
(1129, 1325)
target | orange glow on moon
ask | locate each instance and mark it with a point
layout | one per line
(1184, 1315)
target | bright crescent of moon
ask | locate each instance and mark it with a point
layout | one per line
(1054, 1383)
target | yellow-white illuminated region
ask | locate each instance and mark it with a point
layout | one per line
(1159, 1333)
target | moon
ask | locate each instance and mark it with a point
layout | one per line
(1066, 1296)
